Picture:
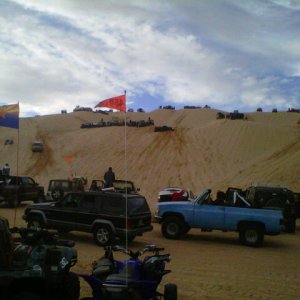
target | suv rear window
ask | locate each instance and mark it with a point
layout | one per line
(137, 205)
(113, 205)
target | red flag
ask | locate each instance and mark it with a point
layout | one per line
(118, 103)
(68, 159)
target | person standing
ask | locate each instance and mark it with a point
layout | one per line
(109, 178)
(6, 170)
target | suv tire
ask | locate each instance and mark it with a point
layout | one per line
(103, 235)
(275, 202)
(172, 228)
(251, 235)
(57, 194)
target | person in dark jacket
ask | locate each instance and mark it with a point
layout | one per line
(109, 178)
(6, 170)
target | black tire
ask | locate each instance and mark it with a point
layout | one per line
(26, 296)
(103, 235)
(70, 287)
(35, 223)
(172, 228)
(57, 194)
(275, 202)
(170, 291)
(251, 235)
(290, 226)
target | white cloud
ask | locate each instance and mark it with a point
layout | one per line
(70, 53)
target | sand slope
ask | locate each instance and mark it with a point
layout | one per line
(201, 152)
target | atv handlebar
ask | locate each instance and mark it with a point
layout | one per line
(132, 254)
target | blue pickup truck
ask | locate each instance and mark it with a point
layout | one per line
(177, 218)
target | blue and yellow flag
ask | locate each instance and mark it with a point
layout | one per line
(9, 116)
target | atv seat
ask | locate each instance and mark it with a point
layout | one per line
(103, 267)
(6, 244)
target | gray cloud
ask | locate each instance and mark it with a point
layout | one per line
(228, 54)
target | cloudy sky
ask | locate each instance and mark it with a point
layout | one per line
(229, 54)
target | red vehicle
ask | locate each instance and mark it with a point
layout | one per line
(175, 194)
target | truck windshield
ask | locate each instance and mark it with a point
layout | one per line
(202, 196)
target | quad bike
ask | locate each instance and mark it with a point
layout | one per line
(36, 265)
(133, 279)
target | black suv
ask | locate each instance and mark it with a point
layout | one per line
(277, 197)
(102, 213)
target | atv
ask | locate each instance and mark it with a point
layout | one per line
(36, 265)
(134, 278)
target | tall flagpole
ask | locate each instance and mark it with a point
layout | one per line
(16, 195)
(126, 198)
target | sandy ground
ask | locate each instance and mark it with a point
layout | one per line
(210, 265)
(200, 153)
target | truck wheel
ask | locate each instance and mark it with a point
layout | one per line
(70, 287)
(103, 235)
(57, 194)
(251, 235)
(172, 228)
(170, 292)
(35, 223)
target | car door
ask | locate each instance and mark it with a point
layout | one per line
(64, 212)
(89, 211)
(27, 188)
(209, 216)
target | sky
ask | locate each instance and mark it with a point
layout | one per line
(228, 54)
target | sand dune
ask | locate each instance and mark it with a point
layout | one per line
(202, 151)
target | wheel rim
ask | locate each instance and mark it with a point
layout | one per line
(172, 229)
(251, 236)
(102, 235)
(56, 194)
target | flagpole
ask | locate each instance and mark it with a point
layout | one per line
(126, 198)
(125, 165)
(18, 139)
